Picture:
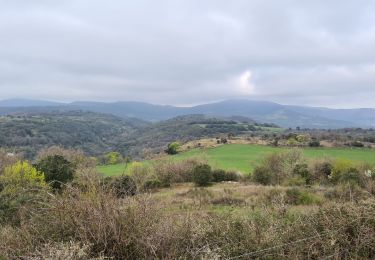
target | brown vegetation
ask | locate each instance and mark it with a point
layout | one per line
(95, 218)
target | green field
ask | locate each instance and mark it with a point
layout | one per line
(244, 157)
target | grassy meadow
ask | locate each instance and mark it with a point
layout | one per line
(244, 157)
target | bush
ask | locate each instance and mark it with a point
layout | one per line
(169, 171)
(21, 185)
(57, 170)
(165, 178)
(21, 175)
(339, 167)
(275, 165)
(224, 140)
(262, 175)
(345, 172)
(296, 196)
(314, 143)
(140, 173)
(165, 172)
(351, 176)
(202, 175)
(357, 144)
(76, 157)
(321, 170)
(113, 158)
(292, 196)
(152, 184)
(278, 167)
(184, 169)
(274, 196)
(289, 160)
(123, 186)
(220, 175)
(303, 171)
(173, 148)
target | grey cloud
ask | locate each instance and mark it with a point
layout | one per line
(186, 52)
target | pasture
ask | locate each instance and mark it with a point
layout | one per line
(244, 157)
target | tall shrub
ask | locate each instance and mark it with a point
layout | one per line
(202, 175)
(57, 170)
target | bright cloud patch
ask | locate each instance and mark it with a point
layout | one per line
(244, 83)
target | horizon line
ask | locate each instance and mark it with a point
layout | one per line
(162, 104)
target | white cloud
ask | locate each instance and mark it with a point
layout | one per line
(244, 83)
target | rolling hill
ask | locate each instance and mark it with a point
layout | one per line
(98, 133)
(156, 136)
(93, 133)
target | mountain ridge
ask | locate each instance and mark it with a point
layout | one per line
(261, 111)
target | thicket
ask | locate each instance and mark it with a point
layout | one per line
(292, 169)
(164, 172)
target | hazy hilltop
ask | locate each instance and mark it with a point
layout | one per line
(27, 103)
(261, 111)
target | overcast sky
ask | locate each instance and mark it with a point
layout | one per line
(183, 52)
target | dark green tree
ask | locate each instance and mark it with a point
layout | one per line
(57, 170)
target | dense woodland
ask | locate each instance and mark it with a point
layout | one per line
(155, 137)
(91, 132)
(96, 134)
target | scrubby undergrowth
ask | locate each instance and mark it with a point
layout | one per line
(309, 210)
(223, 221)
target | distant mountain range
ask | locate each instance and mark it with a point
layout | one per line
(261, 111)
(27, 103)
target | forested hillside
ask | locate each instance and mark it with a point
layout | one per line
(186, 128)
(93, 133)
(96, 133)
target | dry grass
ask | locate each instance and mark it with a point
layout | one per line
(225, 220)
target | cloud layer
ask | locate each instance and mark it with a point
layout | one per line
(185, 52)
